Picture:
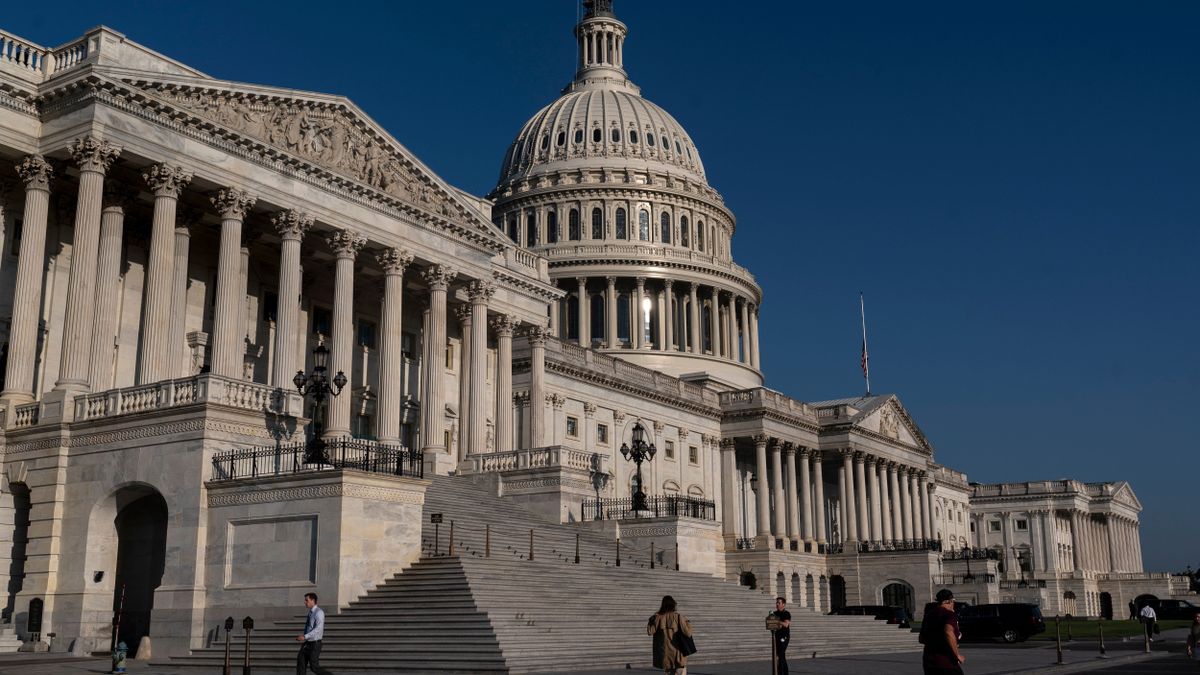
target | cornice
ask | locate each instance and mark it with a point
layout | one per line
(592, 377)
(773, 415)
(539, 290)
(542, 196)
(660, 263)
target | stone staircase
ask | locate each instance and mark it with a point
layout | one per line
(470, 612)
(9, 642)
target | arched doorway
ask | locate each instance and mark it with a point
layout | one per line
(19, 494)
(1144, 599)
(797, 591)
(1106, 606)
(837, 592)
(780, 585)
(1070, 605)
(748, 580)
(899, 594)
(126, 557)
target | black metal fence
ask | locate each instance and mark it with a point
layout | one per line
(661, 506)
(337, 454)
(970, 554)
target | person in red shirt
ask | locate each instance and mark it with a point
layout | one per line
(940, 635)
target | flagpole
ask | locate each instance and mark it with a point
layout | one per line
(866, 359)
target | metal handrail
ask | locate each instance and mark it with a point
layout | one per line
(658, 506)
(337, 454)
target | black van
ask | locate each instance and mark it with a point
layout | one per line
(1011, 622)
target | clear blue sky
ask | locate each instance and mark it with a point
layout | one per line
(1013, 185)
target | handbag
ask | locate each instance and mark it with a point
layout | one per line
(684, 644)
(1156, 629)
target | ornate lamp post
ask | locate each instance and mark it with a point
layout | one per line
(1021, 565)
(318, 386)
(640, 452)
(968, 578)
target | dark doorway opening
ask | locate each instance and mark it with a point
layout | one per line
(20, 537)
(141, 559)
(899, 594)
(837, 592)
(1106, 606)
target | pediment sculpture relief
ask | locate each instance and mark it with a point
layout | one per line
(888, 426)
(324, 135)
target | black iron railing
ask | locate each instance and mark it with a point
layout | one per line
(900, 545)
(952, 579)
(337, 454)
(745, 544)
(970, 554)
(659, 506)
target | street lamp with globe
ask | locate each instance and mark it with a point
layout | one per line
(640, 452)
(318, 385)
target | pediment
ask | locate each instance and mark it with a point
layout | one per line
(889, 418)
(1124, 495)
(329, 133)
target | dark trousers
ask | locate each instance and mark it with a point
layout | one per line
(934, 670)
(310, 657)
(781, 644)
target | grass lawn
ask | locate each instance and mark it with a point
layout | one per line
(1090, 630)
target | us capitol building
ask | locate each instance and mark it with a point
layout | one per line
(176, 248)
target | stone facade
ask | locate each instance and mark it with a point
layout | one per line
(176, 247)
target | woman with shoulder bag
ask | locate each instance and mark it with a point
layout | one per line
(1193, 639)
(671, 631)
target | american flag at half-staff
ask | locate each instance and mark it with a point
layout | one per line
(865, 359)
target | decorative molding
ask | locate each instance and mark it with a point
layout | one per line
(232, 203)
(346, 243)
(291, 224)
(36, 172)
(166, 180)
(394, 260)
(93, 154)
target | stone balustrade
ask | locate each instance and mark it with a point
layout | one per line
(206, 388)
(667, 252)
(40, 63)
(554, 456)
(25, 415)
(762, 397)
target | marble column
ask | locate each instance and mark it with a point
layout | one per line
(537, 386)
(465, 321)
(714, 321)
(1035, 548)
(660, 340)
(793, 517)
(503, 326)
(887, 496)
(806, 510)
(1006, 535)
(763, 498)
(35, 172)
(755, 355)
(610, 314)
(860, 491)
(697, 341)
(906, 520)
(178, 364)
(154, 359)
(1076, 558)
(391, 346)
(926, 512)
(480, 294)
(291, 227)
(346, 245)
(915, 496)
(94, 157)
(872, 471)
(669, 340)
(849, 501)
(1049, 540)
(585, 304)
(819, 485)
(228, 351)
(779, 529)
(433, 405)
(728, 490)
(744, 356)
(108, 282)
(637, 323)
(897, 501)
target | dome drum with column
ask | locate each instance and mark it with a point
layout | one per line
(607, 185)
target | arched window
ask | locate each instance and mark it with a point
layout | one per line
(678, 150)
(700, 234)
(666, 143)
(622, 230)
(531, 231)
(597, 135)
(616, 135)
(578, 136)
(644, 225)
(551, 227)
(683, 231)
(573, 232)
(650, 138)
(633, 136)
(545, 142)
(666, 227)
(562, 138)
(512, 229)
(597, 223)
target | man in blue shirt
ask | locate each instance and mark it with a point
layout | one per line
(314, 632)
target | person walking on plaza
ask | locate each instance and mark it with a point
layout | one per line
(1193, 639)
(1133, 613)
(664, 626)
(940, 635)
(314, 633)
(1149, 618)
(784, 634)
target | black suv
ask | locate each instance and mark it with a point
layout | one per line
(893, 615)
(1174, 609)
(1011, 622)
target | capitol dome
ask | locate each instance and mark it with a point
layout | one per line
(610, 189)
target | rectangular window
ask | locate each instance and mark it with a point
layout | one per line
(693, 454)
(1022, 525)
(322, 321)
(669, 449)
(366, 333)
(572, 427)
(993, 526)
(602, 434)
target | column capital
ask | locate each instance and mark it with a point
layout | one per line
(291, 225)
(439, 276)
(612, 281)
(658, 427)
(556, 400)
(35, 172)
(394, 260)
(668, 283)
(693, 286)
(504, 324)
(589, 409)
(860, 457)
(789, 449)
(463, 313)
(166, 180)
(481, 292)
(232, 203)
(538, 335)
(582, 281)
(727, 444)
(641, 282)
(804, 452)
(775, 444)
(871, 460)
(93, 154)
(846, 453)
(760, 440)
(346, 243)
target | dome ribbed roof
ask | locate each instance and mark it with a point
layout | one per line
(633, 132)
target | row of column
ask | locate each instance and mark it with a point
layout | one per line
(883, 500)
(1108, 544)
(794, 483)
(732, 321)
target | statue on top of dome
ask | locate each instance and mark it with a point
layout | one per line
(598, 8)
